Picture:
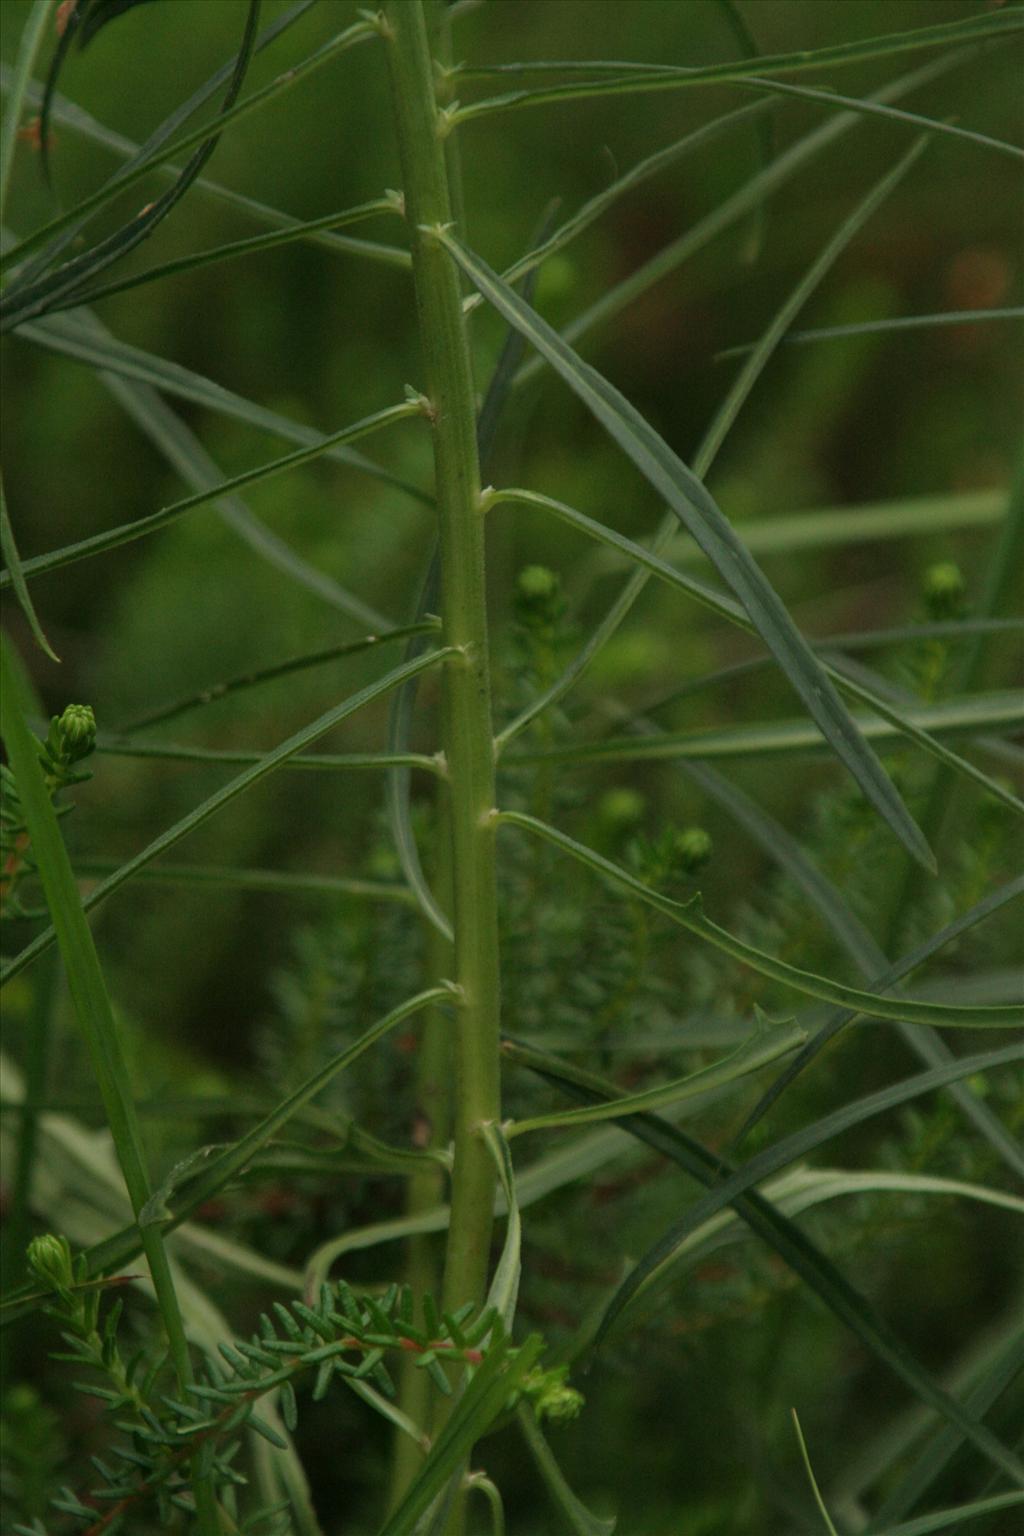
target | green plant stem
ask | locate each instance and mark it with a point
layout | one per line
(426, 1189)
(96, 1016)
(467, 731)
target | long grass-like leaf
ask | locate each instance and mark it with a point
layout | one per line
(635, 177)
(956, 1518)
(615, 78)
(182, 449)
(689, 915)
(827, 902)
(214, 691)
(316, 762)
(251, 246)
(72, 117)
(360, 32)
(694, 506)
(126, 533)
(29, 45)
(755, 192)
(814, 1267)
(275, 881)
(577, 1516)
(99, 1027)
(504, 1289)
(29, 297)
(768, 1042)
(880, 327)
(729, 609)
(484, 1397)
(228, 792)
(985, 712)
(12, 560)
(943, 35)
(81, 343)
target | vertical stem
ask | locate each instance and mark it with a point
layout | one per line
(467, 731)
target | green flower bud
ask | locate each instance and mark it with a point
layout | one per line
(620, 810)
(49, 1258)
(943, 590)
(75, 730)
(538, 596)
(691, 851)
(550, 1394)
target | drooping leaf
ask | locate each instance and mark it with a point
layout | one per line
(690, 915)
(12, 560)
(695, 507)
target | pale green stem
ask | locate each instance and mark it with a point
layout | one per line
(467, 730)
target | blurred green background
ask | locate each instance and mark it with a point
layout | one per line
(326, 339)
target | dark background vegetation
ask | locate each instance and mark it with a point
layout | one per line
(689, 1412)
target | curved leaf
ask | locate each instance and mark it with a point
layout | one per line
(695, 507)
(690, 916)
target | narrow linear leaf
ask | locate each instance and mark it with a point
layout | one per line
(626, 79)
(993, 712)
(578, 1517)
(214, 691)
(231, 251)
(690, 916)
(879, 327)
(228, 792)
(504, 1289)
(827, 902)
(126, 533)
(28, 297)
(319, 762)
(692, 503)
(954, 1519)
(71, 339)
(71, 116)
(760, 187)
(358, 33)
(814, 1267)
(819, 1501)
(725, 606)
(483, 1398)
(766, 1044)
(12, 560)
(29, 45)
(778, 63)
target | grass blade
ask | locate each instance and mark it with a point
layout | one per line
(504, 1289)
(28, 47)
(814, 1267)
(690, 916)
(126, 533)
(943, 35)
(480, 1403)
(697, 510)
(630, 78)
(984, 712)
(253, 245)
(578, 1517)
(827, 901)
(766, 1044)
(956, 1518)
(27, 298)
(82, 344)
(727, 608)
(361, 32)
(72, 117)
(877, 327)
(228, 792)
(12, 560)
(213, 691)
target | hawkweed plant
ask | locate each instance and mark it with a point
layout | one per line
(530, 943)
